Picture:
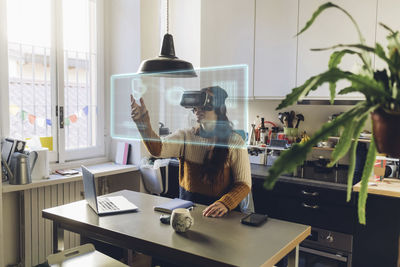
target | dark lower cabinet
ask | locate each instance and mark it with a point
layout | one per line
(377, 242)
(319, 207)
(374, 244)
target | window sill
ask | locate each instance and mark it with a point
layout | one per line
(100, 170)
(77, 163)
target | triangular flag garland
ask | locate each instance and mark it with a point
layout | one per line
(73, 118)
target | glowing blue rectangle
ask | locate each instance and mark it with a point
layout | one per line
(162, 98)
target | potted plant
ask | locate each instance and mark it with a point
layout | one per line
(382, 104)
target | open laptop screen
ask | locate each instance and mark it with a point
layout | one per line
(89, 188)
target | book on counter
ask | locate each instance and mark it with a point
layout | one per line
(175, 203)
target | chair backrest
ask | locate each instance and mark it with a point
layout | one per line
(155, 177)
(84, 255)
(69, 253)
(152, 180)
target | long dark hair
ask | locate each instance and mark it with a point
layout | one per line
(214, 165)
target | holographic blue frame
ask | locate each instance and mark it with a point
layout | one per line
(174, 76)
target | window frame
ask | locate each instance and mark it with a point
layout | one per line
(59, 154)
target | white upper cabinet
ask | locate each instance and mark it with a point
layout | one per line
(330, 28)
(227, 35)
(388, 14)
(275, 48)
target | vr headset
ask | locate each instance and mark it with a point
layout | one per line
(197, 99)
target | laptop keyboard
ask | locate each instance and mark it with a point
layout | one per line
(106, 204)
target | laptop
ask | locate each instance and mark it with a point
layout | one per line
(103, 205)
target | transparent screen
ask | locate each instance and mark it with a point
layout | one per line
(162, 97)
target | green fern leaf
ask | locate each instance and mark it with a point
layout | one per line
(352, 155)
(363, 194)
(332, 76)
(290, 159)
(344, 143)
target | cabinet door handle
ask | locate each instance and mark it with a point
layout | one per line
(313, 194)
(314, 207)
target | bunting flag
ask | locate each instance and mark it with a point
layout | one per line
(86, 110)
(40, 122)
(14, 110)
(73, 118)
(23, 115)
(31, 118)
(80, 113)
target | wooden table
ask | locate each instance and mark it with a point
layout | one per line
(210, 241)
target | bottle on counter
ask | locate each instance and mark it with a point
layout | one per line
(252, 139)
(263, 133)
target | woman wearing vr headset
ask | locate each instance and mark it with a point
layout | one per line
(214, 167)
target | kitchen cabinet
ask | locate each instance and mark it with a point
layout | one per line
(275, 48)
(387, 13)
(261, 35)
(227, 38)
(316, 206)
(377, 242)
(332, 27)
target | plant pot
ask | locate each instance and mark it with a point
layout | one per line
(292, 132)
(386, 128)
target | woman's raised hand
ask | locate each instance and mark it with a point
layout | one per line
(137, 111)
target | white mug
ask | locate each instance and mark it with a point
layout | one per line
(181, 220)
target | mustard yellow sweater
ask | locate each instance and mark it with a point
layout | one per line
(235, 181)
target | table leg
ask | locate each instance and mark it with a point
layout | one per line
(293, 257)
(58, 238)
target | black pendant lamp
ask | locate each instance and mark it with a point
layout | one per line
(167, 64)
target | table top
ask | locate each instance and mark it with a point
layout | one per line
(209, 242)
(388, 187)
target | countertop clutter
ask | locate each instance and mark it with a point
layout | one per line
(388, 187)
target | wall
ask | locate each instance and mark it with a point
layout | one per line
(3, 108)
(131, 34)
(11, 237)
(185, 27)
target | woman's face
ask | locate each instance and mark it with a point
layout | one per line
(204, 115)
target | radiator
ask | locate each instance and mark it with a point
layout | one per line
(36, 241)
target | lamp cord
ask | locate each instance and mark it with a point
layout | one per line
(167, 16)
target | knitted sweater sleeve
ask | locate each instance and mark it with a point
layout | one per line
(240, 167)
(168, 147)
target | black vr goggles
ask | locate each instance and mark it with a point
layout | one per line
(197, 99)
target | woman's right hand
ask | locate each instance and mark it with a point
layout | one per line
(137, 111)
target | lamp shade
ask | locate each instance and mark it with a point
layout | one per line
(167, 64)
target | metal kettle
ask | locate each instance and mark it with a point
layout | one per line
(21, 168)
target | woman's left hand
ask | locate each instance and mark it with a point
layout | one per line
(217, 209)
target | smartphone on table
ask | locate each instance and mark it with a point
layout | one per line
(254, 219)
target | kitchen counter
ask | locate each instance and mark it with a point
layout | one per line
(388, 187)
(261, 171)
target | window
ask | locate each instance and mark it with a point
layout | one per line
(54, 71)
